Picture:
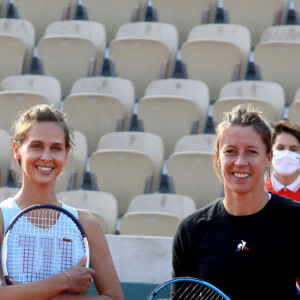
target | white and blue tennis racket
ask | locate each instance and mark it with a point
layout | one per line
(41, 241)
(187, 288)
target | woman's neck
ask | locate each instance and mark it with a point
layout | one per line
(245, 204)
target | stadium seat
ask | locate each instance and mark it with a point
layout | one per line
(93, 31)
(236, 34)
(15, 103)
(170, 117)
(294, 109)
(149, 224)
(12, 58)
(122, 173)
(286, 33)
(256, 15)
(191, 173)
(43, 12)
(73, 173)
(189, 88)
(94, 115)
(119, 87)
(6, 192)
(278, 62)
(166, 33)
(112, 13)
(48, 86)
(226, 104)
(102, 205)
(270, 91)
(67, 58)
(196, 142)
(214, 62)
(184, 15)
(146, 142)
(3, 8)
(178, 205)
(141, 60)
(5, 154)
(23, 30)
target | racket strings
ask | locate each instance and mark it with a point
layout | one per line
(187, 291)
(42, 243)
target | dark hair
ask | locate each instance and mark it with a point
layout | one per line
(285, 127)
(243, 115)
(37, 114)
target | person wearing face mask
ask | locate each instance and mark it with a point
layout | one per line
(285, 179)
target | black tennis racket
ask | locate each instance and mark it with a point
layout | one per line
(187, 288)
(41, 241)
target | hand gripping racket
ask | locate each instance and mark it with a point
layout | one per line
(187, 288)
(41, 241)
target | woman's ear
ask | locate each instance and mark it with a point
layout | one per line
(15, 147)
(269, 159)
(67, 154)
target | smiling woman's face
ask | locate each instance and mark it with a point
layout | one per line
(243, 159)
(43, 153)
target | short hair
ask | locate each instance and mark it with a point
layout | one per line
(243, 115)
(285, 127)
(37, 114)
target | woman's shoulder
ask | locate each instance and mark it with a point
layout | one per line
(284, 204)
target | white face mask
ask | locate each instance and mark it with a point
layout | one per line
(286, 162)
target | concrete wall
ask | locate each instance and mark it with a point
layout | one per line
(141, 259)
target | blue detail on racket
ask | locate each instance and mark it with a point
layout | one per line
(187, 288)
(41, 241)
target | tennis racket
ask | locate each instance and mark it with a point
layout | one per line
(41, 241)
(187, 288)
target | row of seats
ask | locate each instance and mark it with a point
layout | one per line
(256, 16)
(106, 104)
(145, 51)
(147, 214)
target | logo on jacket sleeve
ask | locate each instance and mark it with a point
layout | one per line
(242, 246)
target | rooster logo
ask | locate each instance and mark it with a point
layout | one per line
(242, 246)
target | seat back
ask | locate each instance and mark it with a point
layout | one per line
(140, 60)
(149, 224)
(270, 91)
(256, 15)
(287, 33)
(164, 32)
(203, 58)
(184, 15)
(13, 52)
(188, 88)
(43, 12)
(93, 31)
(46, 85)
(294, 112)
(73, 172)
(67, 58)
(146, 142)
(112, 13)
(236, 34)
(4, 156)
(98, 203)
(178, 205)
(191, 173)
(122, 173)
(169, 117)
(23, 30)
(196, 142)
(16, 103)
(94, 115)
(7, 192)
(277, 59)
(119, 87)
(227, 104)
